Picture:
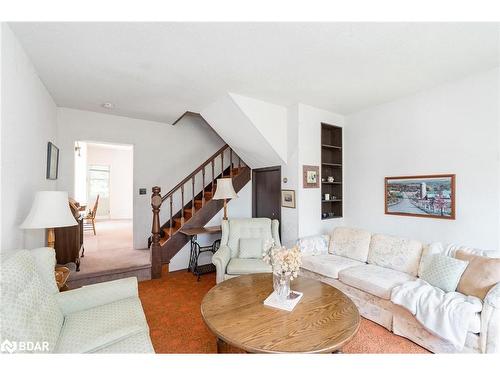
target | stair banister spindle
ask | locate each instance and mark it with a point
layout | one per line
(155, 231)
(222, 163)
(171, 215)
(193, 209)
(213, 180)
(239, 163)
(231, 162)
(182, 205)
(203, 186)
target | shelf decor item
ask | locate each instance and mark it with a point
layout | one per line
(423, 196)
(285, 263)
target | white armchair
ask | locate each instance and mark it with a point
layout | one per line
(228, 260)
(103, 318)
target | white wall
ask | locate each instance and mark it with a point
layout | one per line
(163, 154)
(28, 123)
(309, 145)
(269, 119)
(453, 128)
(240, 207)
(121, 175)
(289, 171)
(235, 127)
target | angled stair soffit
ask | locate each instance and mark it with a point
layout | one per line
(244, 124)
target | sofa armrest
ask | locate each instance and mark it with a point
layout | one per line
(90, 296)
(314, 245)
(493, 297)
(490, 322)
(220, 259)
(275, 226)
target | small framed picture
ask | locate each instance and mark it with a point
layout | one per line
(288, 198)
(52, 161)
(310, 176)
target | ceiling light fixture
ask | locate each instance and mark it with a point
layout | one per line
(108, 105)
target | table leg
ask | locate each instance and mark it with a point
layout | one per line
(222, 347)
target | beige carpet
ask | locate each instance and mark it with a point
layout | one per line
(110, 249)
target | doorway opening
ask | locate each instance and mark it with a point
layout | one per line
(266, 193)
(103, 187)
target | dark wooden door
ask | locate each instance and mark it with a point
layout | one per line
(266, 193)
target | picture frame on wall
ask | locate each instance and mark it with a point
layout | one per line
(430, 196)
(310, 176)
(288, 198)
(52, 161)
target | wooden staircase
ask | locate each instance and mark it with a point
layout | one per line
(166, 240)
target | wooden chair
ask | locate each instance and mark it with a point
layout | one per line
(89, 219)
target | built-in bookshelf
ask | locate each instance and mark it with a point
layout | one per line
(331, 172)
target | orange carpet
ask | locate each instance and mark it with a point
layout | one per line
(172, 307)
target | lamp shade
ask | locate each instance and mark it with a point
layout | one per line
(50, 209)
(225, 189)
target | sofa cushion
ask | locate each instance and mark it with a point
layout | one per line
(443, 272)
(373, 279)
(29, 311)
(328, 265)
(480, 276)
(250, 248)
(350, 243)
(238, 266)
(313, 245)
(96, 328)
(247, 228)
(396, 253)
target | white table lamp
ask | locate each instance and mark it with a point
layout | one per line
(50, 209)
(225, 190)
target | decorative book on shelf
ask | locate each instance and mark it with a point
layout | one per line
(288, 304)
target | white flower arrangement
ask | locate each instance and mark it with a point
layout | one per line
(285, 262)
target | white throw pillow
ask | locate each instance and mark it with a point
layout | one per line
(443, 271)
(350, 243)
(314, 245)
(251, 248)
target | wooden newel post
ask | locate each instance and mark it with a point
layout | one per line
(155, 231)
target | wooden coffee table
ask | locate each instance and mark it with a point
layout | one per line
(323, 322)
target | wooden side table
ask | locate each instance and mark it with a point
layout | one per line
(62, 275)
(196, 249)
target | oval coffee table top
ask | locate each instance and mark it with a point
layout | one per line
(323, 321)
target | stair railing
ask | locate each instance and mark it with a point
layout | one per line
(157, 200)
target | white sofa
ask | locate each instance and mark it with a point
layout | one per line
(227, 261)
(368, 266)
(100, 318)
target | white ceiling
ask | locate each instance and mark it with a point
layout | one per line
(157, 71)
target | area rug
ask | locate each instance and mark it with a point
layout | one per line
(172, 308)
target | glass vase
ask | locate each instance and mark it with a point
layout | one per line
(281, 284)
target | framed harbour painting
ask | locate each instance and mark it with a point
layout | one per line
(425, 196)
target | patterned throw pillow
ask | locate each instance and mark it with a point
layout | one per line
(481, 274)
(313, 245)
(443, 271)
(250, 248)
